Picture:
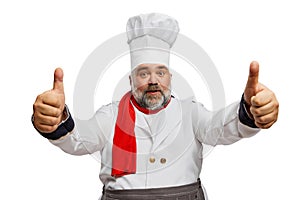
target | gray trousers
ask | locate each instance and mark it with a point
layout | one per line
(186, 192)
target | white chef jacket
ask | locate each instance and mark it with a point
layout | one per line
(169, 143)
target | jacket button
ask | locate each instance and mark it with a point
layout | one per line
(163, 160)
(152, 159)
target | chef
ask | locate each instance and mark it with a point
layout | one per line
(150, 142)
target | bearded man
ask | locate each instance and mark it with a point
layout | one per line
(150, 142)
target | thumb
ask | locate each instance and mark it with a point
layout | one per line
(252, 83)
(58, 80)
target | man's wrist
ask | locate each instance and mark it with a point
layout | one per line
(245, 115)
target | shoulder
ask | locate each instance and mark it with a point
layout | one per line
(108, 111)
(188, 103)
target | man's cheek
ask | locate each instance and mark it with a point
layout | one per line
(141, 88)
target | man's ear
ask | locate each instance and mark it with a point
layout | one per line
(130, 81)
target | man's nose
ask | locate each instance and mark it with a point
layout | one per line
(153, 79)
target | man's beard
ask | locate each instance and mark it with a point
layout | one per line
(152, 102)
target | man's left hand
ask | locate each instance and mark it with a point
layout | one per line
(261, 102)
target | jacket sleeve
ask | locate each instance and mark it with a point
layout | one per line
(83, 136)
(224, 126)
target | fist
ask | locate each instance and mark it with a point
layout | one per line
(48, 108)
(261, 102)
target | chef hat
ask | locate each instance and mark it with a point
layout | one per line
(150, 37)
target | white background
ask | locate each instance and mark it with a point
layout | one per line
(37, 36)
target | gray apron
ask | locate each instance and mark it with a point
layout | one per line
(186, 192)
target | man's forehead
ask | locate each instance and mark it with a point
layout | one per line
(150, 66)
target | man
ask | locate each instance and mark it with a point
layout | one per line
(151, 142)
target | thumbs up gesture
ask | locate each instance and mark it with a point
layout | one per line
(261, 102)
(48, 108)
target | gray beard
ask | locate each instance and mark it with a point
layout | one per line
(146, 102)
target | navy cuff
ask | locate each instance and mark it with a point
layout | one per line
(63, 129)
(243, 115)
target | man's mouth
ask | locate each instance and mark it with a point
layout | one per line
(153, 92)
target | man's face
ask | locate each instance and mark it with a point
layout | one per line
(151, 85)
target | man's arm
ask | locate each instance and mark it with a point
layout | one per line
(258, 109)
(52, 119)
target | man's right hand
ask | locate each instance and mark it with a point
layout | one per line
(48, 108)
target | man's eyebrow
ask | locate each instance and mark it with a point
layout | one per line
(162, 67)
(142, 68)
(147, 68)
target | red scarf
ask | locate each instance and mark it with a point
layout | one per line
(124, 147)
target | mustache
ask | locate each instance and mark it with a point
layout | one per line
(153, 88)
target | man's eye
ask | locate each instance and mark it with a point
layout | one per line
(143, 74)
(161, 73)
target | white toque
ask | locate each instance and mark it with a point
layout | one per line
(150, 37)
